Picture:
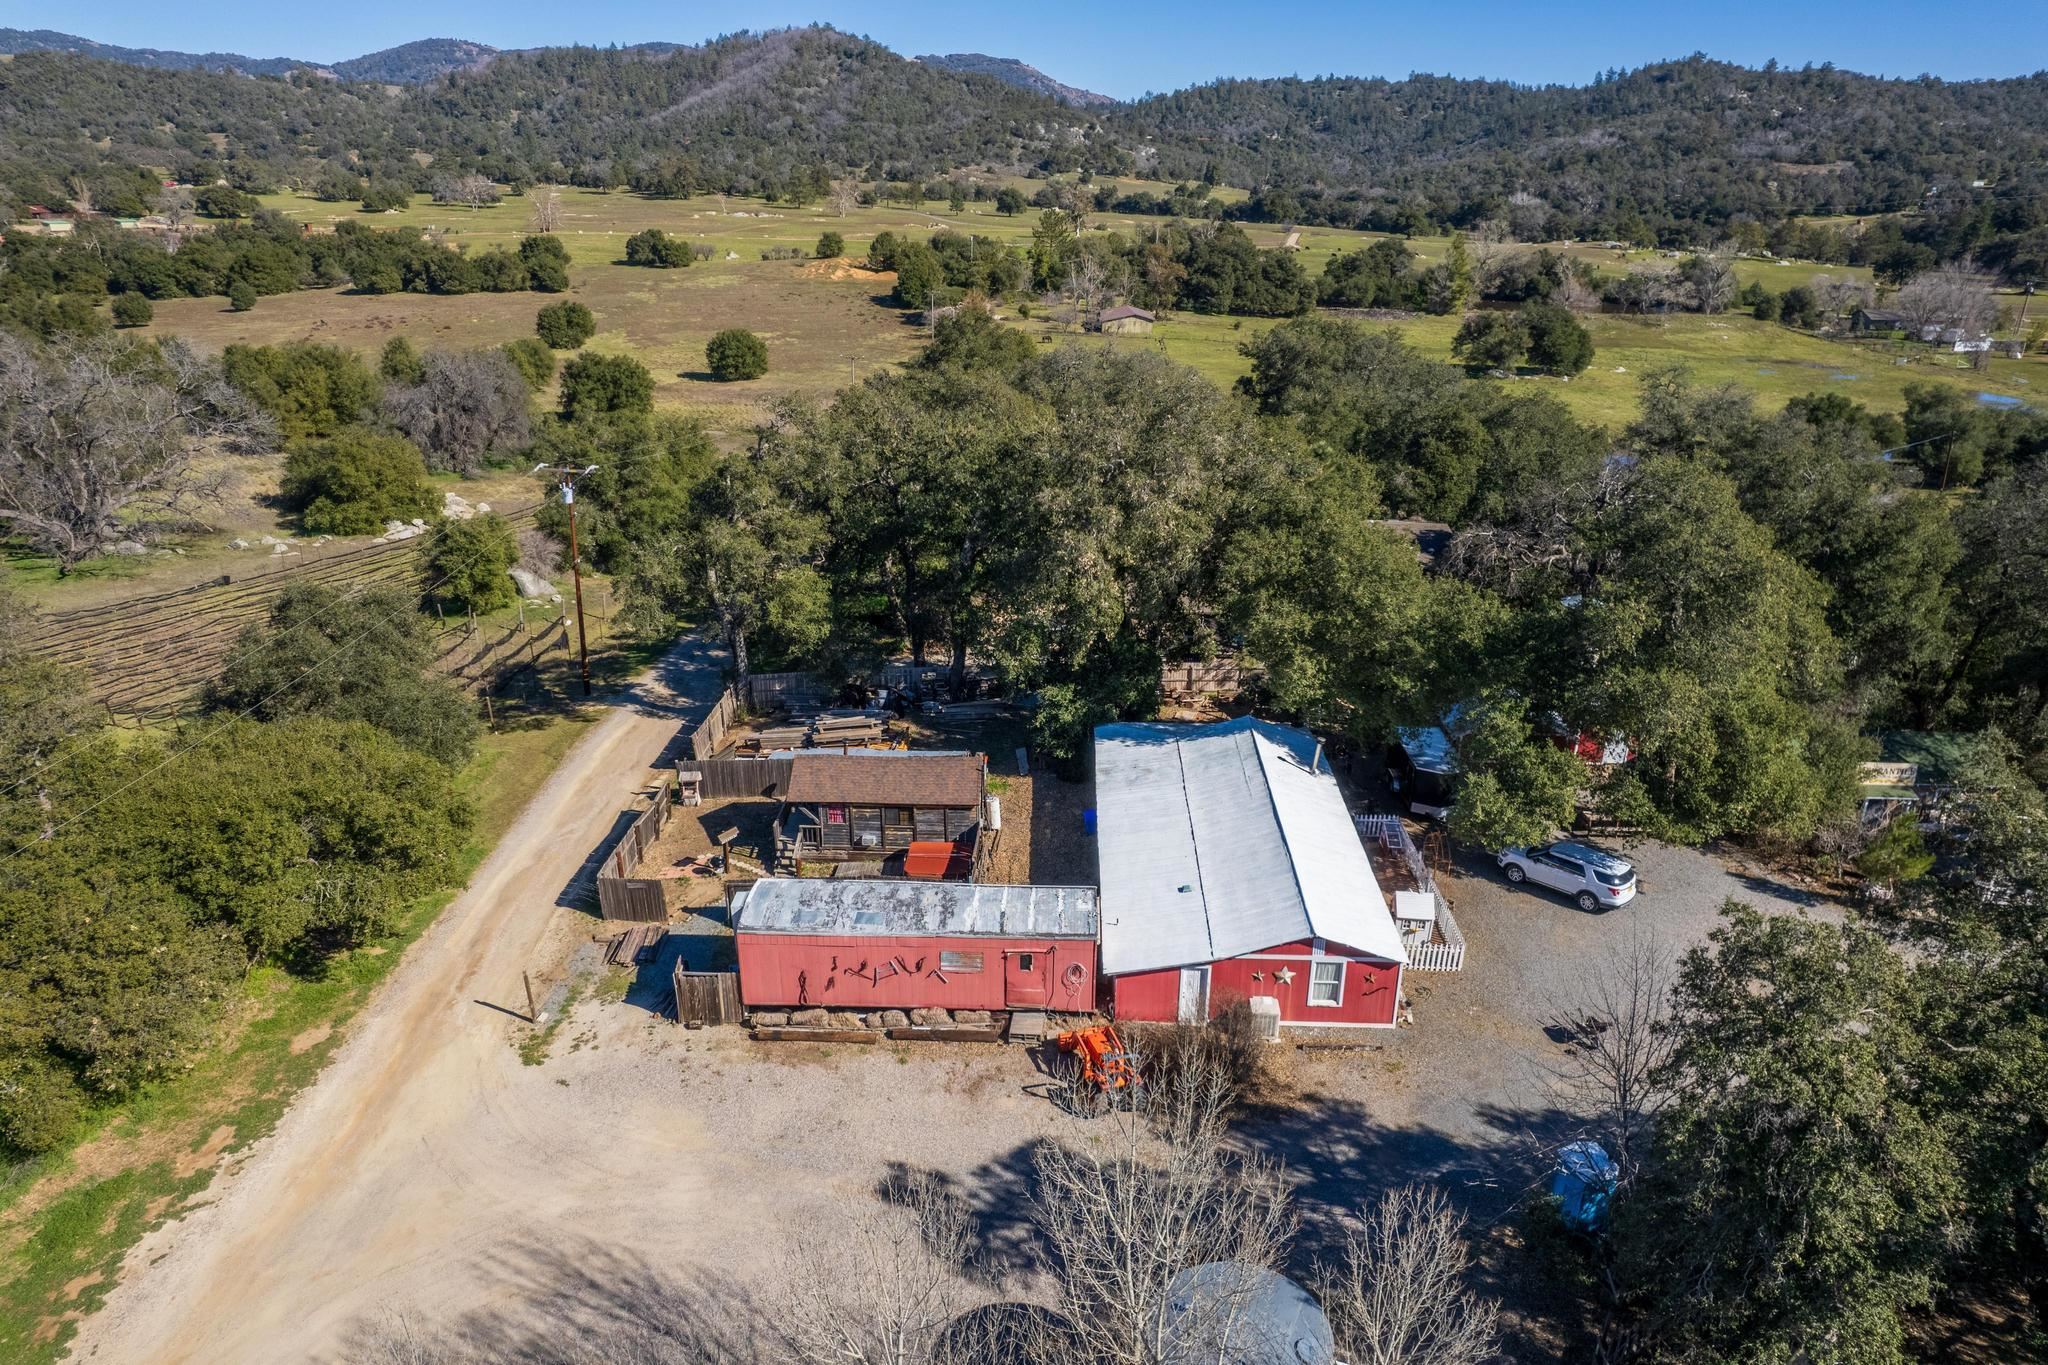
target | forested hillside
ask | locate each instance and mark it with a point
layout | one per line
(1682, 153)
(1684, 141)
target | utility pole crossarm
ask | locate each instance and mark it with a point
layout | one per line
(567, 483)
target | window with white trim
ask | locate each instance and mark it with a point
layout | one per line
(1326, 983)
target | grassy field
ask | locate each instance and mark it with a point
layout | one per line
(1773, 362)
(829, 323)
(66, 1220)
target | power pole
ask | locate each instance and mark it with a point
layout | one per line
(568, 479)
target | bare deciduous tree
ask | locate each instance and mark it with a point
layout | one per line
(1157, 1195)
(469, 405)
(472, 189)
(547, 209)
(845, 196)
(1615, 1070)
(100, 442)
(1840, 295)
(882, 1284)
(174, 206)
(1949, 296)
(1399, 1296)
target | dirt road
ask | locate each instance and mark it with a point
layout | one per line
(408, 1133)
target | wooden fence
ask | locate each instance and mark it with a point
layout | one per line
(707, 997)
(707, 739)
(1216, 678)
(766, 691)
(620, 895)
(724, 778)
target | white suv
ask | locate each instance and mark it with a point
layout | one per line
(1596, 880)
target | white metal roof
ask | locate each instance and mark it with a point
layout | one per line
(1220, 840)
(790, 905)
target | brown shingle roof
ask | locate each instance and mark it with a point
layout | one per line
(877, 779)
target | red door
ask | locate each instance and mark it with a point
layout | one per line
(1027, 979)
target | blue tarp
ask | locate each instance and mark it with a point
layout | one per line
(1583, 1184)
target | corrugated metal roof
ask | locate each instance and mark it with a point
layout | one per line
(880, 777)
(1220, 840)
(1429, 749)
(803, 905)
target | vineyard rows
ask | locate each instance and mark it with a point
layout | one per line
(150, 654)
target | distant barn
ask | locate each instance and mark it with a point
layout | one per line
(1124, 320)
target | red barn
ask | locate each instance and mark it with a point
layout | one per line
(874, 943)
(1231, 868)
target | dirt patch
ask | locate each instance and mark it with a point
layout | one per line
(192, 1163)
(73, 1288)
(154, 1209)
(312, 1038)
(48, 1328)
(843, 269)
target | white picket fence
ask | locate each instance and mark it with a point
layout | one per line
(1445, 950)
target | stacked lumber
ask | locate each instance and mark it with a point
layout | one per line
(640, 944)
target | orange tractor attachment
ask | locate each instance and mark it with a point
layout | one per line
(1107, 1075)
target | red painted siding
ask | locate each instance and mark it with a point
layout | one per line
(1371, 987)
(854, 972)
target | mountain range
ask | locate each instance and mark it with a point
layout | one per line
(407, 64)
(1676, 151)
(420, 61)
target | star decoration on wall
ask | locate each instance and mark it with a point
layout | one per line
(1285, 976)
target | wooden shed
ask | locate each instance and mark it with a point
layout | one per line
(860, 943)
(1124, 320)
(872, 805)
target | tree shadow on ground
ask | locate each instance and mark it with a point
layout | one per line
(1340, 1161)
(577, 1301)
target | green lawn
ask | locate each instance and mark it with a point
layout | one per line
(66, 1220)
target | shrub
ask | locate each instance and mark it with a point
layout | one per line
(1182, 1060)
(468, 563)
(593, 384)
(224, 201)
(354, 482)
(241, 296)
(534, 361)
(132, 310)
(653, 247)
(311, 389)
(384, 195)
(831, 246)
(782, 253)
(1558, 341)
(1897, 855)
(546, 261)
(564, 326)
(400, 362)
(737, 353)
(1491, 341)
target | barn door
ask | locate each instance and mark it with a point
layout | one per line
(1027, 979)
(1194, 995)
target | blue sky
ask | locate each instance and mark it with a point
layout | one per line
(1128, 48)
